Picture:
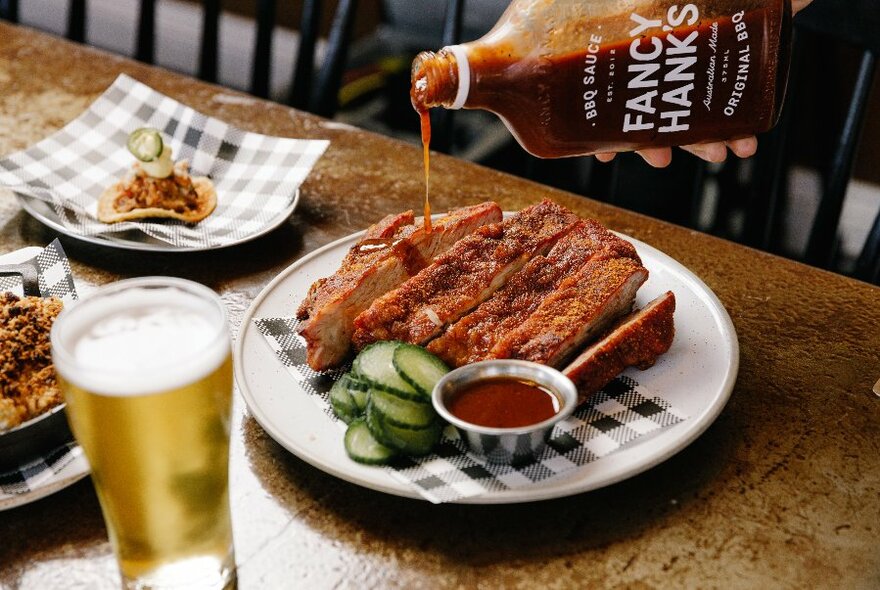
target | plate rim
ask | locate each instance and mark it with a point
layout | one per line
(692, 428)
(51, 486)
(102, 240)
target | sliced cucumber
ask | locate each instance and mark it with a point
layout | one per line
(410, 441)
(375, 364)
(418, 367)
(343, 403)
(145, 144)
(358, 390)
(362, 447)
(354, 381)
(401, 412)
(360, 398)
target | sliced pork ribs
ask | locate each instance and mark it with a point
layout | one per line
(391, 252)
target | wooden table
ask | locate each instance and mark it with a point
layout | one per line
(782, 491)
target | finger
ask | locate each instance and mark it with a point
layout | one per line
(605, 157)
(711, 152)
(798, 5)
(657, 157)
(745, 147)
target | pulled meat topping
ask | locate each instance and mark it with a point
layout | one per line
(142, 191)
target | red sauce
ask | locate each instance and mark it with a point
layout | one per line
(409, 255)
(503, 402)
(425, 120)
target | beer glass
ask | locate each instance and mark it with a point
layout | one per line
(146, 369)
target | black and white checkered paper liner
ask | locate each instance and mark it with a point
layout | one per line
(55, 470)
(256, 176)
(55, 280)
(621, 413)
(53, 273)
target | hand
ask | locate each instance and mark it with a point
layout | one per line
(711, 152)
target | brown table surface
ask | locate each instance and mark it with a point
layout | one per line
(783, 490)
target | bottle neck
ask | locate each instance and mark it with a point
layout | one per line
(440, 79)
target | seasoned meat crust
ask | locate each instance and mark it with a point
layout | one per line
(472, 337)
(27, 377)
(636, 341)
(538, 286)
(465, 276)
(391, 252)
(583, 306)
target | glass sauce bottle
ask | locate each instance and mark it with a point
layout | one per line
(577, 77)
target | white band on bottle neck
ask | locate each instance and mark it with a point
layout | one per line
(464, 75)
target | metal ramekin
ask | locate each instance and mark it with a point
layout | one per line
(511, 446)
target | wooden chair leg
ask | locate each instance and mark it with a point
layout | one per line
(210, 39)
(443, 120)
(262, 61)
(146, 37)
(11, 11)
(828, 216)
(76, 21)
(305, 57)
(325, 99)
(868, 264)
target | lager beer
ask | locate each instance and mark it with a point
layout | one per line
(146, 369)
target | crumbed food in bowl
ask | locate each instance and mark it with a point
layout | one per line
(31, 404)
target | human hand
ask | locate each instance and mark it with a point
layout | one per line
(710, 152)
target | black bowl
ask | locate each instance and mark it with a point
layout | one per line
(34, 438)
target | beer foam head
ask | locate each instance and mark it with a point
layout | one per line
(136, 337)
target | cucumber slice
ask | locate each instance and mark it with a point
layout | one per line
(360, 398)
(354, 381)
(410, 441)
(362, 447)
(358, 390)
(145, 144)
(418, 367)
(375, 364)
(401, 412)
(343, 403)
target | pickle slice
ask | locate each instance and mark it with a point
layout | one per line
(145, 144)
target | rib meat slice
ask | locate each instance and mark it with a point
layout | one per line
(636, 341)
(472, 337)
(373, 267)
(360, 256)
(583, 306)
(463, 277)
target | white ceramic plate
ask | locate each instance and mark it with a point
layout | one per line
(696, 376)
(134, 239)
(60, 179)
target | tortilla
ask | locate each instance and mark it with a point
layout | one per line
(207, 202)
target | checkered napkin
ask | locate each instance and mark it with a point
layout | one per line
(621, 413)
(55, 279)
(67, 462)
(53, 273)
(256, 176)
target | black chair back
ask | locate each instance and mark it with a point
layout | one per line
(309, 91)
(854, 23)
(443, 120)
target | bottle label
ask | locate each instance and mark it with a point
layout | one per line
(678, 72)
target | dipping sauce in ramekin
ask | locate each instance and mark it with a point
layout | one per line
(503, 402)
(504, 410)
